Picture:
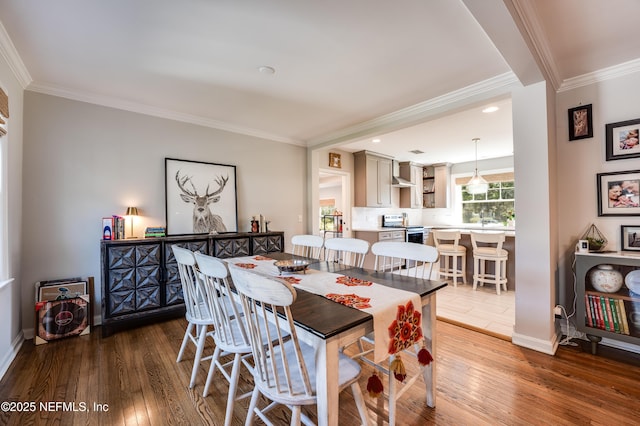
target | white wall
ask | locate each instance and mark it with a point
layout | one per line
(579, 162)
(10, 301)
(83, 162)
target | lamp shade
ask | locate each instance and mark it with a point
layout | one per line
(477, 184)
(132, 211)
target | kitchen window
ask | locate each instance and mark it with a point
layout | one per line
(493, 207)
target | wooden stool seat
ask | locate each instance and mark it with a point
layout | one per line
(490, 251)
(447, 243)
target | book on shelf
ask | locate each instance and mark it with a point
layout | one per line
(606, 313)
(614, 314)
(623, 316)
(107, 228)
(155, 232)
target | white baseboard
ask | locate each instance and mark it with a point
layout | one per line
(544, 346)
(11, 354)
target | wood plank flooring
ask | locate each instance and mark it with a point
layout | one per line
(482, 380)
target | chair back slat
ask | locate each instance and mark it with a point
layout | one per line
(418, 258)
(279, 365)
(193, 292)
(307, 245)
(493, 239)
(229, 324)
(348, 251)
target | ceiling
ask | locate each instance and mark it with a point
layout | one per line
(345, 71)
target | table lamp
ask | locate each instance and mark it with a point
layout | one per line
(131, 212)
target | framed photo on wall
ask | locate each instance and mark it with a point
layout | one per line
(200, 198)
(622, 140)
(630, 237)
(335, 160)
(618, 193)
(580, 122)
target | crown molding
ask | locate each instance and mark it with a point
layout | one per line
(11, 56)
(118, 103)
(420, 112)
(534, 30)
(608, 73)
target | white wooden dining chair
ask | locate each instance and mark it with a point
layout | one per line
(405, 258)
(307, 245)
(348, 251)
(198, 315)
(231, 335)
(284, 370)
(418, 259)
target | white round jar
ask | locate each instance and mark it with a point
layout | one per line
(606, 279)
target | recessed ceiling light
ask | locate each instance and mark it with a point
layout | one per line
(376, 140)
(266, 70)
(490, 109)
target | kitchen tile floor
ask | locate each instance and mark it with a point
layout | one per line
(482, 309)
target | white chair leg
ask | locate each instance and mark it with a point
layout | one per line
(202, 337)
(295, 415)
(212, 369)
(233, 386)
(252, 407)
(360, 404)
(187, 334)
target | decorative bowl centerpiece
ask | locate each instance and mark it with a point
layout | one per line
(292, 265)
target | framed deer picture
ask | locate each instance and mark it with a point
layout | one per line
(200, 198)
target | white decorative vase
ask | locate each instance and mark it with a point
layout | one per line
(606, 279)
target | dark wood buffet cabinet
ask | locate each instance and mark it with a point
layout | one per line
(140, 280)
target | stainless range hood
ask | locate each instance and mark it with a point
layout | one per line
(396, 180)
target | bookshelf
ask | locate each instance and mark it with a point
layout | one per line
(614, 316)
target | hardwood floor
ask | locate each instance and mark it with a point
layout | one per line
(482, 380)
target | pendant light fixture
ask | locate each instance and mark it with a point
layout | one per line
(477, 184)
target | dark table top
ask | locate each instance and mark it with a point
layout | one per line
(326, 318)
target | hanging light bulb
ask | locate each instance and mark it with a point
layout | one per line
(477, 184)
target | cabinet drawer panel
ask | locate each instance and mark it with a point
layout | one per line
(397, 235)
(147, 298)
(148, 276)
(122, 257)
(122, 280)
(148, 255)
(121, 302)
(232, 247)
(174, 293)
(387, 235)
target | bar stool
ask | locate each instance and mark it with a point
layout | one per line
(490, 250)
(447, 243)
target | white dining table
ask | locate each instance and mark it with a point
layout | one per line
(329, 326)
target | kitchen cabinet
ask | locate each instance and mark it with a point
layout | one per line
(411, 197)
(372, 176)
(374, 236)
(435, 185)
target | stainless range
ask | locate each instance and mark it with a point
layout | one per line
(413, 233)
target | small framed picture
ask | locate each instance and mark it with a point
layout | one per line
(630, 237)
(622, 140)
(334, 160)
(580, 122)
(618, 193)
